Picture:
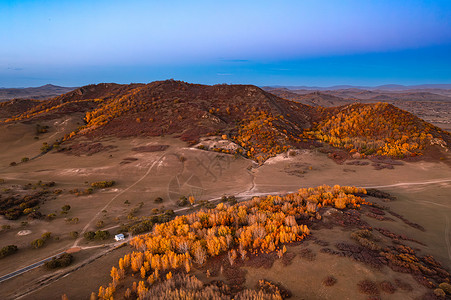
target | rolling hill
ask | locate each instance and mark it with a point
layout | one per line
(42, 92)
(259, 123)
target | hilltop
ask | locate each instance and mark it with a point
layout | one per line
(258, 123)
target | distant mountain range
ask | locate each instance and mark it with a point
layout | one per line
(49, 90)
(39, 93)
(387, 87)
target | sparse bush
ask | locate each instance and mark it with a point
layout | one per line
(368, 287)
(102, 235)
(50, 217)
(25, 159)
(329, 281)
(89, 235)
(183, 201)
(141, 227)
(41, 129)
(158, 200)
(6, 227)
(123, 228)
(440, 293)
(73, 234)
(102, 184)
(13, 163)
(100, 224)
(387, 287)
(59, 262)
(8, 250)
(65, 207)
(38, 243)
(45, 236)
(446, 287)
(45, 147)
(26, 211)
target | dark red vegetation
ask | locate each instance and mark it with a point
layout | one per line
(307, 254)
(329, 281)
(387, 287)
(16, 107)
(368, 287)
(85, 148)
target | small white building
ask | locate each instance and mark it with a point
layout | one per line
(119, 237)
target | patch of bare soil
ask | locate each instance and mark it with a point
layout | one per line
(87, 148)
(151, 148)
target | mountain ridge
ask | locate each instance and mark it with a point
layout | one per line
(260, 123)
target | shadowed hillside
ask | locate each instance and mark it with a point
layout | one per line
(16, 107)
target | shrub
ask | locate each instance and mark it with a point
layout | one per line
(38, 243)
(446, 287)
(50, 217)
(25, 159)
(141, 227)
(8, 250)
(100, 224)
(45, 236)
(183, 201)
(59, 262)
(89, 235)
(368, 287)
(73, 234)
(158, 200)
(6, 227)
(65, 207)
(329, 281)
(102, 234)
(102, 184)
(46, 148)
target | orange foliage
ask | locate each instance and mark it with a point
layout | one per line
(263, 224)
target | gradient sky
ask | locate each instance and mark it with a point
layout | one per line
(303, 42)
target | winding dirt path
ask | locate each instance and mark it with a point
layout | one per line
(114, 198)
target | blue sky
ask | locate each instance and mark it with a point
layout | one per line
(304, 42)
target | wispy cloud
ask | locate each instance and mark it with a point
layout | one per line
(224, 74)
(14, 69)
(234, 60)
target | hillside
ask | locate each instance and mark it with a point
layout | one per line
(379, 128)
(316, 98)
(16, 107)
(432, 105)
(260, 124)
(43, 92)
